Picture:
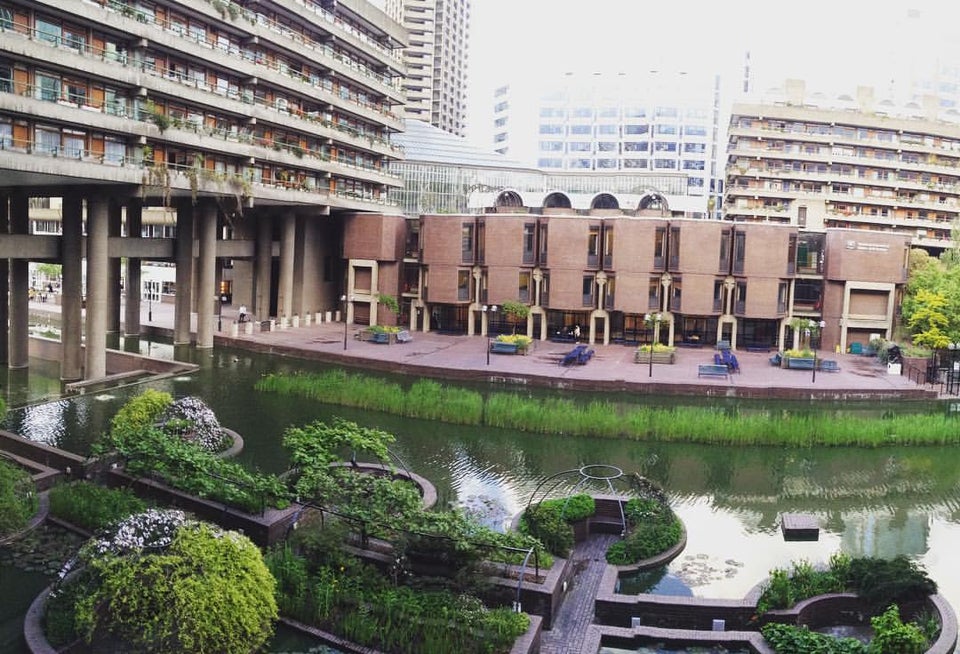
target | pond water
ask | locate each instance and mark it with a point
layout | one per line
(879, 502)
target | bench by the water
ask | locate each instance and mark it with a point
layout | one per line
(829, 365)
(578, 355)
(713, 370)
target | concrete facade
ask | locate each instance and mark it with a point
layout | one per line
(257, 128)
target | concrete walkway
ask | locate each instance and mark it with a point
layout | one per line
(611, 368)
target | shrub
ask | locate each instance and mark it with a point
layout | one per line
(882, 582)
(3, 408)
(18, 500)
(193, 421)
(791, 639)
(892, 636)
(139, 413)
(93, 507)
(522, 341)
(550, 521)
(162, 583)
(657, 348)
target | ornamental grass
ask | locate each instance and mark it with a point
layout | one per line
(714, 425)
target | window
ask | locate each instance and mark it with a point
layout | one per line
(694, 130)
(48, 31)
(636, 129)
(660, 248)
(653, 294)
(581, 130)
(676, 294)
(607, 129)
(114, 151)
(529, 237)
(587, 290)
(6, 79)
(47, 87)
(634, 163)
(740, 299)
(664, 146)
(666, 129)
(718, 287)
(580, 147)
(74, 144)
(636, 146)
(6, 136)
(551, 146)
(608, 247)
(6, 18)
(665, 164)
(610, 293)
(46, 140)
(693, 165)
(75, 38)
(674, 248)
(725, 241)
(524, 286)
(782, 294)
(792, 254)
(481, 241)
(593, 246)
(542, 259)
(463, 285)
(76, 91)
(739, 251)
(114, 103)
(466, 243)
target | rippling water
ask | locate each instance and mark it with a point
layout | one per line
(880, 502)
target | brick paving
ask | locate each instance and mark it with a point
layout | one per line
(576, 613)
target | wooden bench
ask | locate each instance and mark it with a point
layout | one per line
(500, 347)
(713, 370)
(404, 336)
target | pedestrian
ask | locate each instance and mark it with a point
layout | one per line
(242, 313)
(50, 289)
(576, 333)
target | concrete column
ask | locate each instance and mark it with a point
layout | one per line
(114, 223)
(207, 295)
(263, 271)
(183, 257)
(312, 268)
(131, 317)
(4, 285)
(288, 241)
(71, 313)
(19, 340)
(98, 238)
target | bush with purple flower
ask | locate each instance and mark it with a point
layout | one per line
(192, 420)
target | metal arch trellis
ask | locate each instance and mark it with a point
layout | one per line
(589, 473)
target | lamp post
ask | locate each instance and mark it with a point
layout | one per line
(820, 325)
(492, 310)
(343, 300)
(656, 318)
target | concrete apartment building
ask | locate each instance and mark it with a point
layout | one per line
(257, 125)
(864, 163)
(655, 121)
(436, 60)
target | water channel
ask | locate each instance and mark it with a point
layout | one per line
(878, 502)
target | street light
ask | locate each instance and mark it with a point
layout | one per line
(656, 318)
(821, 325)
(493, 310)
(343, 299)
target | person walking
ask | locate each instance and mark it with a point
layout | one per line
(242, 313)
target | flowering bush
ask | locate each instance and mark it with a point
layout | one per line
(522, 341)
(192, 420)
(162, 582)
(657, 347)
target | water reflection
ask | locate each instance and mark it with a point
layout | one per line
(879, 502)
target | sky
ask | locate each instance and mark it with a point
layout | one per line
(835, 44)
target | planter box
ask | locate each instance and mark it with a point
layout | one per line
(658, 357)
(797, 363)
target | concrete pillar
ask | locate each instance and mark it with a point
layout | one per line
(114, 223)
(131, 316)
(263, 271)
(288, 240)
(4, 285)
(19, 339)
(207, 296)
(98, 231)
(183, 257)
(71, 291)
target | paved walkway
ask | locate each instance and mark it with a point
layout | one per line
(576, 613)
(611, 368)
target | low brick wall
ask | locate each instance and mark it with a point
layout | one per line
(45, 455)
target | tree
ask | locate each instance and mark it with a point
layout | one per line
(515, 312)
(928, 319)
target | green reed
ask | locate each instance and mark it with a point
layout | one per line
(432, 400)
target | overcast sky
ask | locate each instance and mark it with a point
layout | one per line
(835, 44)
